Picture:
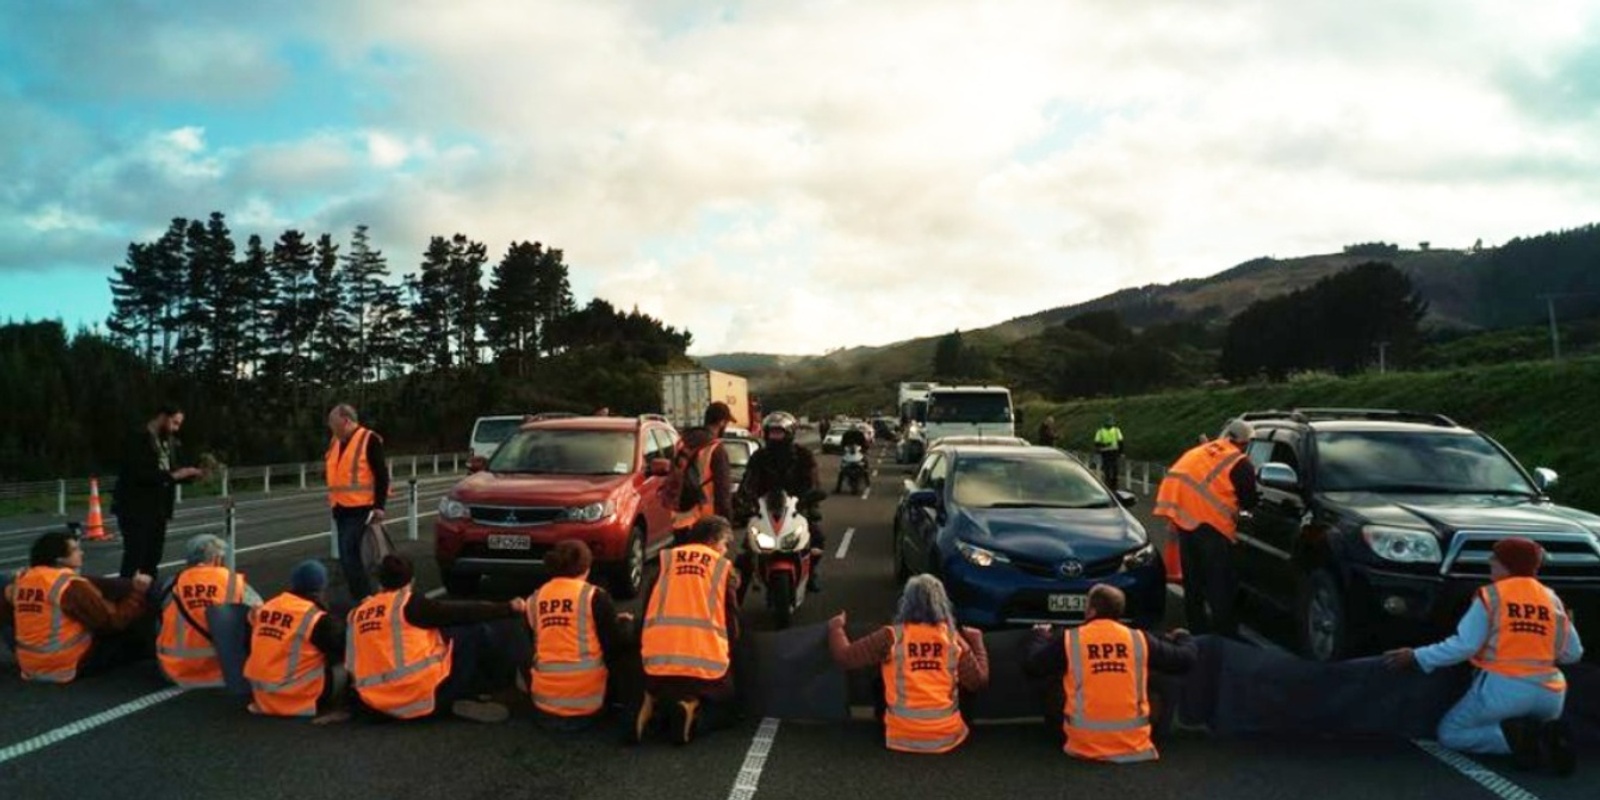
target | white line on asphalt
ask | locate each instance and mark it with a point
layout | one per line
(70, 730)
(435, 593)
(866, 494)
(755, 759)
(844, 544)
(1487, 778)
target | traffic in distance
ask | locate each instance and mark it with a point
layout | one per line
(669, 574)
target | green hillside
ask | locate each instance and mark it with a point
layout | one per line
(1544, 412)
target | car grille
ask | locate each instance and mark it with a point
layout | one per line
(1052, 569)
(1567, 555)
(507, 517)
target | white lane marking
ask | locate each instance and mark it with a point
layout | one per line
(281, 543)
(86, 724)
(866, 494)
(1487, 778)
(755, 760)
(435, 593)
(844, 544)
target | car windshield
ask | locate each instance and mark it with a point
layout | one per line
(566, 452)
(492, 431)
(998, 482)
(974, 407)
(1417, 462)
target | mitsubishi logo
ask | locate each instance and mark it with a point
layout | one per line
(511, 517)
(1071, 568)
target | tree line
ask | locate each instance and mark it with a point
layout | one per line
(257, 342)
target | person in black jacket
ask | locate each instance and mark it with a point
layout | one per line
(146, 490)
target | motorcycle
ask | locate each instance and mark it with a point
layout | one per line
(780, 539)
(853, 469)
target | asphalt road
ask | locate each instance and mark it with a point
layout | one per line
(202, 744)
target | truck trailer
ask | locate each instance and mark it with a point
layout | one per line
(685, 395)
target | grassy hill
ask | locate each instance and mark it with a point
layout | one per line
(1542, 411)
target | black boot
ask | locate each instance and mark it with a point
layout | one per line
(1557, 740)
(1522, 734)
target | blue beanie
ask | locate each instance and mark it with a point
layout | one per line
(308, 578)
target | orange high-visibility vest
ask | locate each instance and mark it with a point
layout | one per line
(708, 506)
(1198, 490)
(922, 711)
(1106, 715)
(569, 670)
(285, 669)
(185, 651)
(686, 622)
(50, 644)
(395, 666)
(1527, 632)
(349, 476)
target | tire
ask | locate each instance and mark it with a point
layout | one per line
(627, 577)
(458, 584)
(1322, 618)
(780, 596)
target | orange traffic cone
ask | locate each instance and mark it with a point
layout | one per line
(1173, 560)
(96, 523)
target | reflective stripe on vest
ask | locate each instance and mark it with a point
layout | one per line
(1527, 632)
(349, 476)
(285, 670)
(1198, 489)
(708, 502)
(396, 674)
(922, 713)
(50, 644)
(186, 656)
(685, 631)
(1106, 715)
(569, 673)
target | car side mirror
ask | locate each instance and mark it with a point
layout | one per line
(1127, 499)
(1546, 478)
(1280, 476)
(477, 464)
(659, 467)
(923, 498)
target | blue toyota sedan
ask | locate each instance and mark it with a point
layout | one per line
(1020, 534)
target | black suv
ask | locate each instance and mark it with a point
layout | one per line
(1375, 527)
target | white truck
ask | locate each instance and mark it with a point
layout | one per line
(913, 409)
(685, 395)
(983, 411)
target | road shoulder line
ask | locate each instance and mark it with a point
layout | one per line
(87, 724)
(755, 760)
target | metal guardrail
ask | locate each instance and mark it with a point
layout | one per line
(230, 480)
(1145, 475)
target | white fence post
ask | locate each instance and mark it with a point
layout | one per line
(413, 466)
(455, 462)
(230, 528)
(266, 480)
(1146, 480)
(333, 538)
(411, 522)
(179, 495)
(224, 481)
(302, 477)
(61, 498)
(436, 463)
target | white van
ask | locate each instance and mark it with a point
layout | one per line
(489, 432)
(969, 411)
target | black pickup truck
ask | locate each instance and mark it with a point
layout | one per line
(1375, 527)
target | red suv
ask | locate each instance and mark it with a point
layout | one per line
(589, 478)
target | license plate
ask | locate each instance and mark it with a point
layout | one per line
(506, 541)
(1068, 603)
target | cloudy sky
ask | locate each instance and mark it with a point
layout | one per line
(790, 176)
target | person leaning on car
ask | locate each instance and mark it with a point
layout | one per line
(1201, 497)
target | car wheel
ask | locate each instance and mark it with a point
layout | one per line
(1323, 617)
(457, 584)
(627, 578)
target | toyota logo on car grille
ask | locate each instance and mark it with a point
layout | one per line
(1071, 568)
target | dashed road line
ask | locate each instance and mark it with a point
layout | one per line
(86, 724)
(866, 494)
(1500, 785)
(844, 542)
(755, 760)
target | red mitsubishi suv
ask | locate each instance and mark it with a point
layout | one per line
(589, 478)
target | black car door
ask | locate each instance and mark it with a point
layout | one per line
(1268, 535)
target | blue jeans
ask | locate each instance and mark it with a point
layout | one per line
(1473, 725)
(351, 524)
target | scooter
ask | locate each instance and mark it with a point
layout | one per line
(780, 539)
(853, 469)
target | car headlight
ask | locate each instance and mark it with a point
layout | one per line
(1405, 545)
(451, 508)
(1139, 558)
(594, 512)
(978, 556)
(766, 542)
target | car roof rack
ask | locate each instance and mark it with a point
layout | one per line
(1306, 415)
(544, 415)
(653, 418)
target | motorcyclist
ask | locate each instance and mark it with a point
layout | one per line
(781, 466)
(852, 438)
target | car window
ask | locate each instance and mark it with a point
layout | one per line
(547, 451)
(662, 443)
(925, 477)
(1284, 453)
(938, 471)
(1415, 462)
(1010, 482)
(1259, 452)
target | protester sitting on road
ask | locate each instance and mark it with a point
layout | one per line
(63, 625)
(1107, 698)
(691, 625)
(411, 656)
(922, 660)
(576, 631)
(184, 647)
(296, 647)
(1515, 632)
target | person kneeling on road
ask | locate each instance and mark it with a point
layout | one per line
(410, 656)
(691, 625)
(575, 629)
(295, 647)
(184, 647)
(923, 662)
(1108, 698)
(67, 625)
(1515, 632)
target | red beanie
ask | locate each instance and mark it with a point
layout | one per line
(1521, 557)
